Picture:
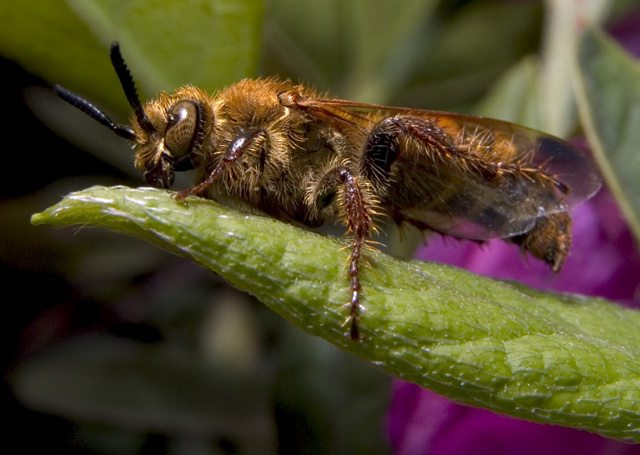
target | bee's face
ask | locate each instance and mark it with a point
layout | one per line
(173, 138)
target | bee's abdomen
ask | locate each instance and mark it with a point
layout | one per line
(549, 240)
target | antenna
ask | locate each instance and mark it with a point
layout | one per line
(130, 91)
(93, 112)
(129, 86)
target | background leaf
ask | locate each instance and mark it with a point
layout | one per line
(608, 89)
(164, 44)
(516, 96)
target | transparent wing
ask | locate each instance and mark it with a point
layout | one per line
(493, 178)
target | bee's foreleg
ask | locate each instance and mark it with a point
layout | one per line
(236, 149)
(357, 211)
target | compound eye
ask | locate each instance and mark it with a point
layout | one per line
(182, 128)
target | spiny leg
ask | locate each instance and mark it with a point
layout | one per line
(549, 239)
(234, 151)
(358, 218)
(380, 151)
(384, 143)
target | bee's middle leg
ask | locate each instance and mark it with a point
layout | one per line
(358, 219)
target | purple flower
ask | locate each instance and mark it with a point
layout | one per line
(603, 262)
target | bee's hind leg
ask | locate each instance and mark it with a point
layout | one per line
(356, 209)
(384, 144)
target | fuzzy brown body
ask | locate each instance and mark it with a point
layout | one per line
(281, 149)
(462, 176)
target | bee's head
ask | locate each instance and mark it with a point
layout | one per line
(167, 132)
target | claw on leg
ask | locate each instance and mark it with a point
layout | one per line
(352, 320)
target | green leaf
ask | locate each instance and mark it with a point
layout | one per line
(464, 50)
(210, 43)
(515, 97)
(340, 45)
(552, 358)
(382, 41)
(537, 91)
(202, 42)
(48, 39)
(563, 24)
(607, 84)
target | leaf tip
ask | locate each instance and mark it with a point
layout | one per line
(39, 218)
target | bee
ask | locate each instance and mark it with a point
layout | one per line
(283, 150)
